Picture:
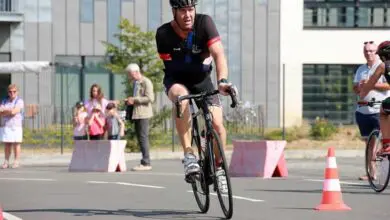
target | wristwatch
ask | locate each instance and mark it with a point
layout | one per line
(223, 80)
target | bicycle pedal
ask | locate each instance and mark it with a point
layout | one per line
(190, 178)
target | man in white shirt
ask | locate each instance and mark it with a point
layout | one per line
(367, 117)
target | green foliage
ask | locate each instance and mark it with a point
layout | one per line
(137, 47)
(48, 137)
(291, 134)
(322, 129)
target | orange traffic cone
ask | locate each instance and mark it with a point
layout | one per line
(331, 192)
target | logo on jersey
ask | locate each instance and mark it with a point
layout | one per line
(195, 49)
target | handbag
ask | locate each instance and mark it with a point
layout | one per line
(129, 113)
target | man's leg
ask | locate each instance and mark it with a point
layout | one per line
(144, 140)
(142, 131)
(183, 127)
(364, 132)
(216, 111)
(183, 124)
(217, 114)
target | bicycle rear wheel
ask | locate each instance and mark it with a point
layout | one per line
(225, 198)
(200, 188)
(377, 167)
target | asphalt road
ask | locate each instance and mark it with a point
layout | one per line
(51, 192)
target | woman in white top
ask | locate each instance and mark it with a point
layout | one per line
(96, 97)
(11, 130)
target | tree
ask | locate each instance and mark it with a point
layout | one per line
(138, 47)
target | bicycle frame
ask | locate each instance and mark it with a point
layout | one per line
(207, 116)
(209, 152)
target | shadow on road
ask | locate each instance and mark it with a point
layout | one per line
(142, 213)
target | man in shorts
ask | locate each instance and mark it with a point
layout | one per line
(367, 117)
(187, 45)
(382, 70)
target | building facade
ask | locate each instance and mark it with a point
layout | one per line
(282, 54)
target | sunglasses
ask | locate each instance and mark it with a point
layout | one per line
(12, 91)
(368, 42)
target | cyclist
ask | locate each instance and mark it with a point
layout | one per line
(187, 45)
(383, 69)
(367, 117)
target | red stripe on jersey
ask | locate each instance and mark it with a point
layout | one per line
(165, 56)
(213, 40)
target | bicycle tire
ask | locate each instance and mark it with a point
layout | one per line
(227, 211)
(377, 188)
(201, 179)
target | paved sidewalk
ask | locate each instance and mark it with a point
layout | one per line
(58, 159)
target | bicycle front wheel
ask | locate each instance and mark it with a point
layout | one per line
(200, 188)
(225, 195)
(377, 166)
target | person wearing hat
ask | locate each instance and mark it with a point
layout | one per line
(80, 122)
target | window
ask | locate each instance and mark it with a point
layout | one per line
(86, 11)
(154, 14)
(67, 81)
(76, 81)
(346, 14)
(113, 20)
(328, 93)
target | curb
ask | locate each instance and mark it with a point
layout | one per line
(58, 159)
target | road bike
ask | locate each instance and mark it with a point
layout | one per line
(377, 165)
(207, 149)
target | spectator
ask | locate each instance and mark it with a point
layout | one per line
(80, 122)
(142, 99)
(11, 130)
(114, 124)
(96, 122)
(367, 117)
(96, 96)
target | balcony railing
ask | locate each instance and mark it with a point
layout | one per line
(7, 5)
(9, 11)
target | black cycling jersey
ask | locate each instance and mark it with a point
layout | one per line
(186, 59)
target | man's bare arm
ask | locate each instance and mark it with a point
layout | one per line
(217, 52)
(382, 86)
(370, 84)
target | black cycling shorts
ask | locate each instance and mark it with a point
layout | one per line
(386, 105)
(195, 88)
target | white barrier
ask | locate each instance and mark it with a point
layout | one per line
(98, 156)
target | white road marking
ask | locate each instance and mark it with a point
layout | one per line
(8, 216)
(126, 184)
(341, 182)
(237, 197)
(155, 174)
(140, 185)
(27, 179)
(98, 182)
